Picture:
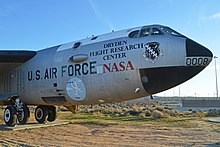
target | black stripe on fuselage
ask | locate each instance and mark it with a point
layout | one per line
(159, 79)
(54, 100)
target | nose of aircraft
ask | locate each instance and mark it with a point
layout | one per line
(194, 49)
(163, 78)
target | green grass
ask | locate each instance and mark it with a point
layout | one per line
(102, 119)
(87, 118)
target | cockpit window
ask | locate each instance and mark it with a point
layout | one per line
(145, 32)
(134, 34)
(171, 31)
(156, 31)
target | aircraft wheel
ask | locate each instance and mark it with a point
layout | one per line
(41, 112)
(10, 115)
(23, 115)
(52, 113)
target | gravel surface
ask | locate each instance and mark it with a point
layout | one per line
(203, 134)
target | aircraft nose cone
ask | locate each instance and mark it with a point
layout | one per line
(162, 78)
(194, 49)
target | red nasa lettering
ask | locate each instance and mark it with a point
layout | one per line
(117, 67)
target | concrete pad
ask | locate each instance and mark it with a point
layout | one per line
(32, 126)
(216, 120)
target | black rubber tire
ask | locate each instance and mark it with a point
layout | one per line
(10, 115)
(23, 116)
(52, 113)
(41, 113)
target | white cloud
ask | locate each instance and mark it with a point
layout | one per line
(215, 16)
(94, 8)
(98, 15)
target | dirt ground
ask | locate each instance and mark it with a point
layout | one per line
(204, 133)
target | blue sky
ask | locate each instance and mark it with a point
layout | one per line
(39, 24)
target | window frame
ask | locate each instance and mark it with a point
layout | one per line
(170, 31)
(160, 31)
(144, 28)
(138, 33)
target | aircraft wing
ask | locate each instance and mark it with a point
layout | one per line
(9, 59)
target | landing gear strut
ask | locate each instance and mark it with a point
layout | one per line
(23, 115)
(19, 111)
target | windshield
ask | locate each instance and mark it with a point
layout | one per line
(171, 31)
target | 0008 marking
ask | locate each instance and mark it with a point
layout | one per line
(196, 61)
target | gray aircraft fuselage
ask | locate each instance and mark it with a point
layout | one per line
(113, 67)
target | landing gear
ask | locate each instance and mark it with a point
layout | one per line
(41, 112)
(18, 111)
(52, 114)
(151, 97)
(10, 116)
(44, 113)
(23, 115)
